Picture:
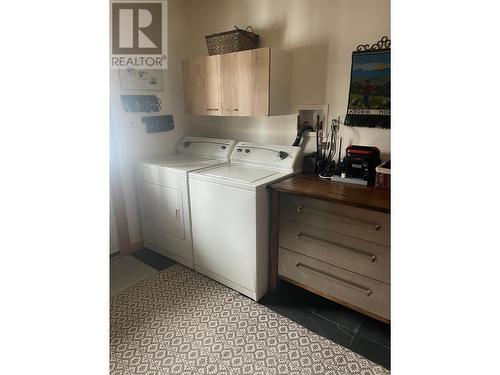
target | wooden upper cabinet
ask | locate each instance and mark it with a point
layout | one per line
(202, 86)
(247, 83)
(244, 78)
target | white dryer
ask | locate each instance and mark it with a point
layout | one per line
(230, 214)
(162, 186)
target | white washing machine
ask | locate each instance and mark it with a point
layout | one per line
(230, 215)
(163, 190)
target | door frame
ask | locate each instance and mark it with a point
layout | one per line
(116, 193)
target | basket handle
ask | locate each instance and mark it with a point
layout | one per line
(248, 27)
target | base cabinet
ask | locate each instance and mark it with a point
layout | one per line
(337, 251)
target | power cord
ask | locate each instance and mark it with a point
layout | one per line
(329, 170)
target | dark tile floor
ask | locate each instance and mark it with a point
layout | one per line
(351, 329)
(344, 326)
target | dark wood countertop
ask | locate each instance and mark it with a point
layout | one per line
(353, 195)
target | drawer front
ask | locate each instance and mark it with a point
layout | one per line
(356, 222)
(360, 256)
(367, 294)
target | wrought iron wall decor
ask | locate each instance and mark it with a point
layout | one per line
(141, 103)
(369, 102)
(382, 44)
(156, 124)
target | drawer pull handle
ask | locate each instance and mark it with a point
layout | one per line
(370, 257)
(360, 289)
(367, 225)
(232, 109)
(212, 109)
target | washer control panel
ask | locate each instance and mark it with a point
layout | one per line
(276, 156)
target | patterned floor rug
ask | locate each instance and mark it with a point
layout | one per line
(181, 322)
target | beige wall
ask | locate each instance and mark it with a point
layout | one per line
(133, 143)
(320, 34)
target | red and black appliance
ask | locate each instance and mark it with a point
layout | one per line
(361, 161)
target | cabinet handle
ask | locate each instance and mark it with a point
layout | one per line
(359, 253)
(231, 109)
(360, 223)
(358, 288)
(212, 109)
(177, 214)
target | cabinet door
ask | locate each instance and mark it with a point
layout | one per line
(245, 83)
(201, 78)
(162, 210)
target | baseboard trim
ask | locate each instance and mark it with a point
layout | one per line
(136, 246)
(132, 248)
(168, 254)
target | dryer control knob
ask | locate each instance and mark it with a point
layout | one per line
(239, 149)
(282, 155)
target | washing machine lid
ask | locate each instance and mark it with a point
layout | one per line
(240, 173)
(254, 166)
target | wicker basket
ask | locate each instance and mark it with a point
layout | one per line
(232, 41)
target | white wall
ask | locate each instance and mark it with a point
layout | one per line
(320, 34)
(133, 143)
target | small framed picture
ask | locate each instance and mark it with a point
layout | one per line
(141, 79)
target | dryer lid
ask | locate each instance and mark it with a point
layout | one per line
(182, 163)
